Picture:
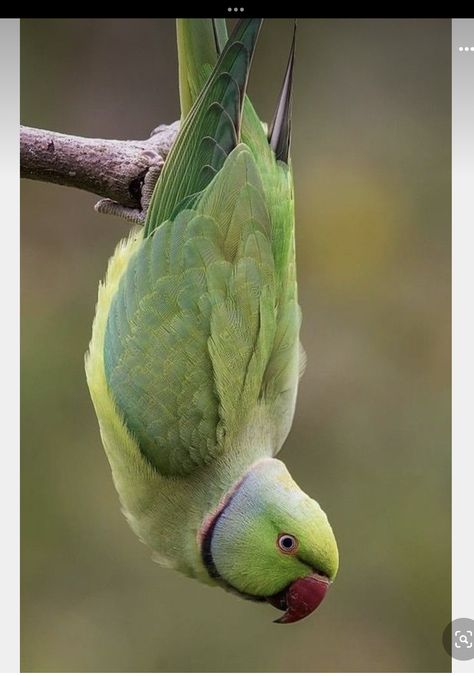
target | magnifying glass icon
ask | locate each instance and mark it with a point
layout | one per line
(463, 639)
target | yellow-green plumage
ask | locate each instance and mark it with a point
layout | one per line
(194, 359)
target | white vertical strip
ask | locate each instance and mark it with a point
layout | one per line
(463, 323)
(9, 336)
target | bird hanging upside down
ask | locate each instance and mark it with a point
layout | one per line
(195, 358)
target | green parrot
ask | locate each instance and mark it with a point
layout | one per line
(194, 360)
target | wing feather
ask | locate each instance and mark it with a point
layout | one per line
(204, 325)
(191, 327)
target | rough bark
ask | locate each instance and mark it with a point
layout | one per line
(111, 169)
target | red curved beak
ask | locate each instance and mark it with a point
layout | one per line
(300, 598)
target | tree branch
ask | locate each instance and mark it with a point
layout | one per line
(112, 169)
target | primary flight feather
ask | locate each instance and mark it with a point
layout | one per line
(194, 360)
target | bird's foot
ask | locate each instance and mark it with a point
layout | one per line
(146, 187)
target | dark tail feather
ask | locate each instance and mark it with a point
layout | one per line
(279, 135)
(220, 34)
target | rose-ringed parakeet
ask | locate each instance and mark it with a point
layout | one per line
(194, 360)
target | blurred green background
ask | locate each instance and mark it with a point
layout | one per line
(371, 437)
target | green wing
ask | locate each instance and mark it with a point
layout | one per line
(192, 325)
(204, 326)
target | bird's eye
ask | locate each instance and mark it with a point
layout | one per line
(287, 543)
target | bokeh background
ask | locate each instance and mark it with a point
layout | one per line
(371, 437)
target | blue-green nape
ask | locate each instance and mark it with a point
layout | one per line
(268, 534)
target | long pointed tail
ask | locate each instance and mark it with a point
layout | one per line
(210, 131)
(200, 41)
(279, 134)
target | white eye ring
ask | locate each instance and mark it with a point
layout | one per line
(287, 543)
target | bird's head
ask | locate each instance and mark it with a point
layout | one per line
(269, 541)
